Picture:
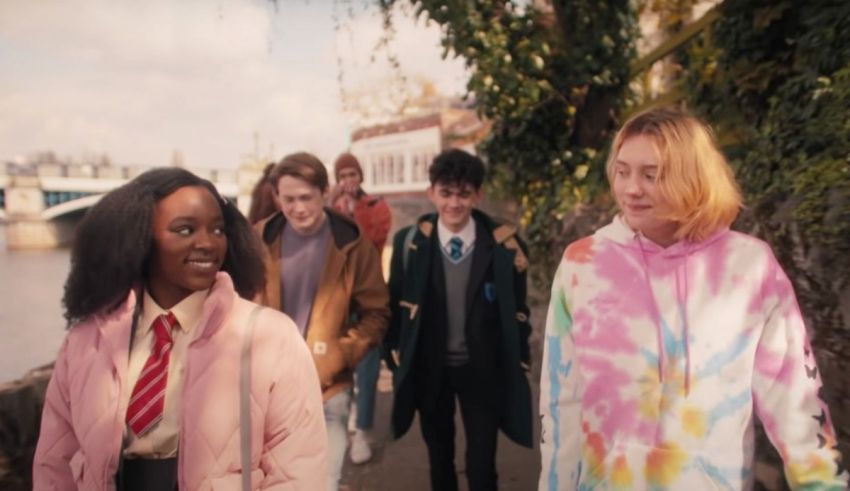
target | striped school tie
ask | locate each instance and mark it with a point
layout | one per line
(455, 248)
(148, 399)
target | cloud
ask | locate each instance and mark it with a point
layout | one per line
(152, 34)
(138, 80)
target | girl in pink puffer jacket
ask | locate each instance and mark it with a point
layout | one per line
(166, 254)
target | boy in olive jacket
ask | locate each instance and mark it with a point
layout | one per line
(459, 326)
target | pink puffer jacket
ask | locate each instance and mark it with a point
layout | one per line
(87, 398)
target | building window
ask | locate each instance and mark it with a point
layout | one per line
(390, 169)
(425, 160)
(399, 168)
(414, 167)
(421, 161)
(383, 173)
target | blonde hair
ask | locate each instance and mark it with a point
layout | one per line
(694, 178)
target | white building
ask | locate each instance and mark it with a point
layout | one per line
(395, 157)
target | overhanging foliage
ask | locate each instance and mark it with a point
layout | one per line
(552, 80)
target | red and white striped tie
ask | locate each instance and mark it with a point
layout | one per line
(148, 399)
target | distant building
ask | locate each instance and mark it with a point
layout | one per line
(395, 156)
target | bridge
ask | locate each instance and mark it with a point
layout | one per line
(40, 204)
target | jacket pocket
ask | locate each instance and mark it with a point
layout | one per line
(233, 481)
(330, 361)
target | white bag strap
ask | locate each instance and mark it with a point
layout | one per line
(245, 399)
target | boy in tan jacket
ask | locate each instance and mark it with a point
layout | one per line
(321, 272)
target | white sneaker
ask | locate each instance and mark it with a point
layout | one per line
(361, 452)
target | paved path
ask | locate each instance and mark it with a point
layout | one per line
(403, 464)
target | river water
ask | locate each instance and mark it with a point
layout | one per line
(31, 324)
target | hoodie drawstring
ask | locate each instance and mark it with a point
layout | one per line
(655, 311)
(682, 304)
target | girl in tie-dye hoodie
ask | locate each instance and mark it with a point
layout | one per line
(666, 332)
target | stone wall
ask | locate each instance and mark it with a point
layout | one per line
(20, 415)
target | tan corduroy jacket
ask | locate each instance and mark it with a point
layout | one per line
(351, 307)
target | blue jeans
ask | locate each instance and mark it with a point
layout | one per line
(367, 382)
(336, 420)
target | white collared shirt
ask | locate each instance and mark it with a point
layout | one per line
(466, 234)
(161, 441)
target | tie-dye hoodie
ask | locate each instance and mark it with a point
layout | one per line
(656, 358)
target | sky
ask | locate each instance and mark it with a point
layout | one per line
(206, 78)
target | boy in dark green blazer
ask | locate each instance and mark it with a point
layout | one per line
(459, 326)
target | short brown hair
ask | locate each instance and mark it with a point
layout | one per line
(301, 165)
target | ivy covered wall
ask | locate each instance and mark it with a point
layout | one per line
(772, 78)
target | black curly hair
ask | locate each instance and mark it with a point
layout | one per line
(456, 167)
(113, 243)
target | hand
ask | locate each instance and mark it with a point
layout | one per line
(331, 360)
(350, 188)
(335, 193)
